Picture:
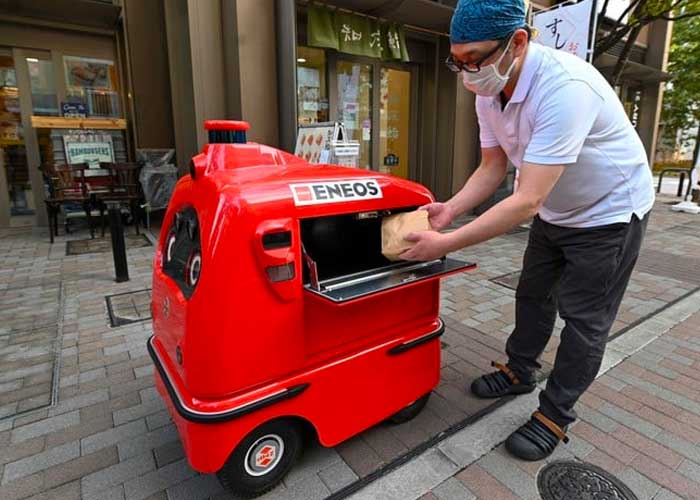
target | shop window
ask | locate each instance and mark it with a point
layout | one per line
(43, 87)
(12, 144)
(93, 83)
(312, 89)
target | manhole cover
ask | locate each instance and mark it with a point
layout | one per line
(567, 480)
(509, 280)
(102, 245)
(129, 307)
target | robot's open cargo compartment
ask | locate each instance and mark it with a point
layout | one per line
(343, 258)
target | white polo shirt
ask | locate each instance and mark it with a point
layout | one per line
(563, 112)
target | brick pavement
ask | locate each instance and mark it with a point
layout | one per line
(639, 421)
(97, 429)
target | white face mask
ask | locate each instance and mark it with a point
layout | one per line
(489, 81)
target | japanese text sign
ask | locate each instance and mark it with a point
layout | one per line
(567, 28)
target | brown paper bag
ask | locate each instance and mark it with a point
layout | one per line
(396, 227)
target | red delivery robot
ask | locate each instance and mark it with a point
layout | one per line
(275, 312)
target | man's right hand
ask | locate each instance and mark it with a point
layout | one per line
(440, 215)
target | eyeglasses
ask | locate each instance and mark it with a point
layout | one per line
(456, 65)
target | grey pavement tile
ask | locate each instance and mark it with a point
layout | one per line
(146, 408)
(197, 488)
(78, 402)
(41, 461)
(679, 445)
(632, 421)
(579, 447)
(309, 488)
(655, 390)
(486, 316)
(68, 380)
(93, 485)
(641, 486)
(503, 468)
(312, 461)
(113, 436)
(337, 476)
(46, 426)
(682, 360)
(143, 371)
(93, 374)
(113, 493)
(664, 494)
(415, 478)
(7, 410)
(169, 453)
(149, 393)
(69, 491)
(473, 441)
(6, 424)
(596, 418)
(69, 351)
(144, 486)
(644, 358)
(138, 444)
(690, 469)
(653, 366)
(453, 489)
(11, 386)
(158, 420)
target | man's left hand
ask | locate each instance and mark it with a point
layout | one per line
(429, 245)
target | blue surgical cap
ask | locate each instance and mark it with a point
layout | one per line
(482, 20)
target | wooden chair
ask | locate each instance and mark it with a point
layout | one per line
(123, 187)
(66, 187)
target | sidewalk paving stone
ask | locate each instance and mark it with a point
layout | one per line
(108, 408)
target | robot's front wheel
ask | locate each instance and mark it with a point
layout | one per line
(262, 459)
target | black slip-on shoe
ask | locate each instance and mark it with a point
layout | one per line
(537, 439)
(499, 383)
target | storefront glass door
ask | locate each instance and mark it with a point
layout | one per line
(375, 101)
(354, 106)
(17, 196)
(394, 121)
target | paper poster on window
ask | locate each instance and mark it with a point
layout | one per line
(308, 77)
(91, 73)
(312, 141)
(567, 28)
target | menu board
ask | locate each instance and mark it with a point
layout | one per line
(314, 141)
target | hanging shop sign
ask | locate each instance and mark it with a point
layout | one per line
(89, 148)
(569, 27)
(357, 35)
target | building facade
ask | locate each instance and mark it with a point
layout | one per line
(147, 74)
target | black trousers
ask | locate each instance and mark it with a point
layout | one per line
(583, 273)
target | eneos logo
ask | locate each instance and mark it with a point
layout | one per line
(316, 193)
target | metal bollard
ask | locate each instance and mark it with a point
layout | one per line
(118, 246)
(680, 184)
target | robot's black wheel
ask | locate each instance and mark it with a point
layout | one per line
(410, 412)
(262, 459)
